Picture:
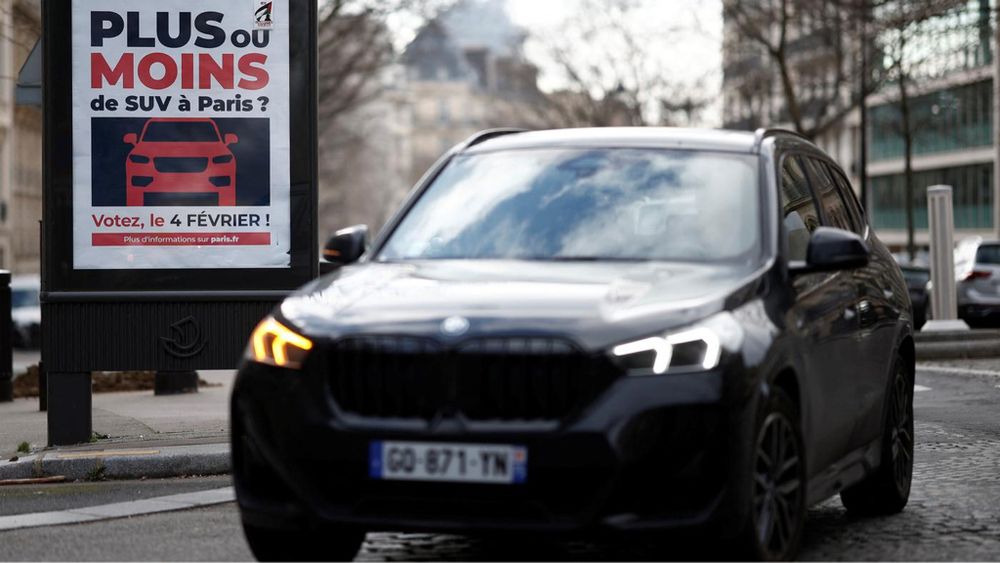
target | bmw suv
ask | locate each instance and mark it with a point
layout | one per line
(619, 330)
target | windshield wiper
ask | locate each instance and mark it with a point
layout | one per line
(584, 259)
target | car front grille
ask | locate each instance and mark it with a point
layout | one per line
(180, 198)
(180, 164)
(523, 379)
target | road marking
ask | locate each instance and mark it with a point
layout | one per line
(919, 388)
(105, 453)
(951, 369)
(118, 509)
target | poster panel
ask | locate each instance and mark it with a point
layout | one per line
(181, 135)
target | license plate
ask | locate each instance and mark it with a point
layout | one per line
(461, 463)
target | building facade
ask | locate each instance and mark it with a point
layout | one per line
(20, 143)
(465, 72)
(951, 107)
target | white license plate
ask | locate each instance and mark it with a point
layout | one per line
(442, 461)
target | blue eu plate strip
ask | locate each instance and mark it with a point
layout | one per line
(375, 460)
(520, 465)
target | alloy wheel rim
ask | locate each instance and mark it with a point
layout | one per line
(777, 485)
(901, 429)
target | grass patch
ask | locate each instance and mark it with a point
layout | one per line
(95, 474)
(24, 448)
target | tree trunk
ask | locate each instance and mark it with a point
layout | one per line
(788, 87)
(907, 132)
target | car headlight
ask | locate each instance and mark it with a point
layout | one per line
(138, 158)
(222, 158)
(275, 344)
(695, 348)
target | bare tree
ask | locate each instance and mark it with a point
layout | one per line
(354, 47)
(809, 46)
(617, 80)
(903, 39)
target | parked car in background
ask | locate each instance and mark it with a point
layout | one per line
(25, 311)
(626, 330)
(977, 269)
(917, 279)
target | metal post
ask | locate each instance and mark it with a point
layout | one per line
(69, 408)
(996, 126)
(6, 354)
(863, 109)
(944, 306)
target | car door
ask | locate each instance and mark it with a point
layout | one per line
(881, 298)
(823, 322)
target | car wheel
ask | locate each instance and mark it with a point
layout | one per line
(887, 490)
(774, 524)
(327, 543)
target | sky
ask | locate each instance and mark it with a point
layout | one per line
(687, 56)
(692, 54)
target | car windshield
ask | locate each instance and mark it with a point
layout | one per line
(23, 298)
(180, 131)
(586, 204)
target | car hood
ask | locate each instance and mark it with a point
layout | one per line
(593, 303)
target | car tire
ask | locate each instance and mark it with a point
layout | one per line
(887, 490)
(324, 543)
(776, 517)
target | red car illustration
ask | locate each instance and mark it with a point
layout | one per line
(180, 161)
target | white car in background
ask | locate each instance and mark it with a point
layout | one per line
(25, 311)
(977, 271)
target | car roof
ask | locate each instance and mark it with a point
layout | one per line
(618, 137)
(22, 281)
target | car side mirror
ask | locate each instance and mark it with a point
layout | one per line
(832, 249)
(131, 138)
(231, 139)
(346, 246)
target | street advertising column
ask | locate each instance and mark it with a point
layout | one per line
(180, 180)
(181, 135)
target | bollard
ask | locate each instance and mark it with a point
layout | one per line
(6, 354)
(944, 301)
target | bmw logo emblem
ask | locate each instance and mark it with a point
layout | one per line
(455, 326)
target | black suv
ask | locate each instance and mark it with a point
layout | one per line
(587, 330)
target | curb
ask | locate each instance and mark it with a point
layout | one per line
(134, 463)
(957, 345)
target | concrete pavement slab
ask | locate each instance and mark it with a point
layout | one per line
(136, 416)
(118, 509)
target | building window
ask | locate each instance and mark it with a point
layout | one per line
(947, 120)
(972, 190)
(444, 111)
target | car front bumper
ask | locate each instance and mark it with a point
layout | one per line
(650, 453)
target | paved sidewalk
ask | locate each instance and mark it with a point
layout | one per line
(184, 431)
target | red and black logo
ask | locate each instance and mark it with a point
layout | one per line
(263, 14)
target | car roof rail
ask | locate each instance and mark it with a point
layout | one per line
(488, 134)
(764, 132)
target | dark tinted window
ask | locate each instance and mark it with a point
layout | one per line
(829, 196)
(180, 132)
(800, 215)
(853, 206)
(23, 298)
(988, 254)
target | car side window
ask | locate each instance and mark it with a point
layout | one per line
(798, 208)
(834, 209)
(853, 205)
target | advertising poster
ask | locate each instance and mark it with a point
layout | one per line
(180, 134)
